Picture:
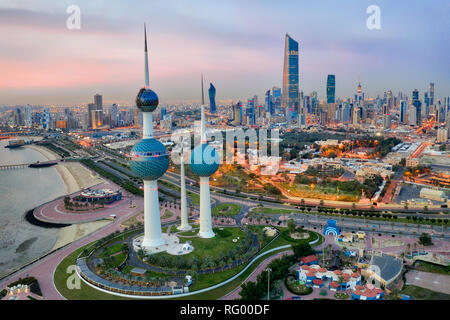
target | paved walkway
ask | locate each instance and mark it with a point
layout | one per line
(233, 295)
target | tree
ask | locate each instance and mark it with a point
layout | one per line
(291, 225)
(251, 291)
(425, 239)
(302, 250)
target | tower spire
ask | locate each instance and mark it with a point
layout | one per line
(202, 124)
(147, 81)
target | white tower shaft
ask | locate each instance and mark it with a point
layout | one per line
(184, 214)
(205, 209)
(152, 221)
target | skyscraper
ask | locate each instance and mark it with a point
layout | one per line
(331, 88)
(431, 94)
(417, 105)
(403, 111)
(212, 99)
(290, 76)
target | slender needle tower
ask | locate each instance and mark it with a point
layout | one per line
(149, 160)
(204, 162)
(184, 215)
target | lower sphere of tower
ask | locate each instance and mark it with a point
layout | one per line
(149, 159)
(204, 160)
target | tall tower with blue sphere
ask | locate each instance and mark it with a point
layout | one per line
(149, 160)
(204, 162)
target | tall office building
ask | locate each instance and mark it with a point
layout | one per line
(91, 115)
(276, 98)
(114, 114)
(268, 103)
(290, 76)
(417, 105)
(28, 118)
(212, 99)
(403, 111)
(331, 88)
(431, 93)
(98, 101)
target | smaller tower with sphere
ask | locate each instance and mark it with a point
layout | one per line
(149, 160)
(204, 162)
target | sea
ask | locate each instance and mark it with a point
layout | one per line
(21, 190)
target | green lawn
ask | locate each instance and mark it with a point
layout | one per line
(167, 214)
(111, 250)
(419, 293)
(226, 210)
(211, 247)
(191, 232)
(431, 267)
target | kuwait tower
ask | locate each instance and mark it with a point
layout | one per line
(149, 160)
(204, 162)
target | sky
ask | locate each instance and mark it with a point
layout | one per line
(237, 44)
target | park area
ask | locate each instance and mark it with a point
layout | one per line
(226, 210)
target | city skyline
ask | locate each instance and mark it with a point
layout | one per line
(83, 62)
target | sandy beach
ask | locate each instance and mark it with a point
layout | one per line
(75, 177)
(77, 231)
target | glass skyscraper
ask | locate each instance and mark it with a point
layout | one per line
(331, 88)
(290, 76)
(212, 99)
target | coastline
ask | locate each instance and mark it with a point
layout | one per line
(75, 177)
(68, 178)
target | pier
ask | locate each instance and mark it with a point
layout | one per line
(24, 165)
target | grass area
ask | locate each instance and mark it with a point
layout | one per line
(211, 247)
(191, 232)
(262, 237)
(431, 267)
(62, 278)
(226, 210)
(167, 214)
(419, 293)
(296, 287)
(111, 250)
(319, 192)
(225, 289)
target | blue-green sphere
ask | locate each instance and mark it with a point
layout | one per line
(147, 100)
(204, 160)
(149, 159)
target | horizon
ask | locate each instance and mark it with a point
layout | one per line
(229, 43)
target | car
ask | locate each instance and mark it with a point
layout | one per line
(296, 298)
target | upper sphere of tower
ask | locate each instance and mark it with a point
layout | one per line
(147, 100)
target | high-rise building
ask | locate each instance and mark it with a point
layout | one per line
(403, 111)
(268, 103)
(290, 76)
(212, 99)
(431, 93)
(331, 88)
(114, 115)
(28, 118)
(91, 115)
(417, 105)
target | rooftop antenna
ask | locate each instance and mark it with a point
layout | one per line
(147, 82)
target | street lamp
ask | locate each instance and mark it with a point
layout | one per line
(268, 282)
